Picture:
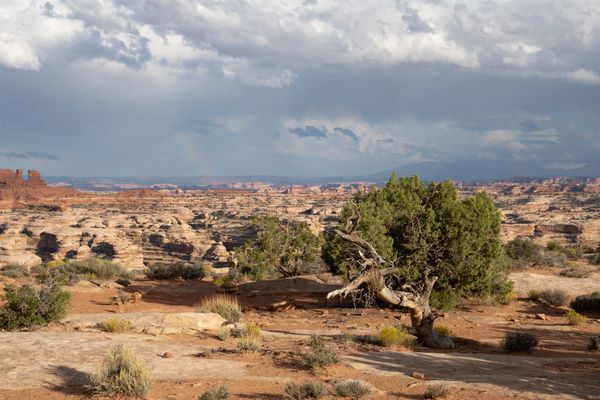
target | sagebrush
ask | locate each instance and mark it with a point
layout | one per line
(225, 305)
(519, 341)
(586, 302)
(121, 374)
(220, 393)
(301, 391)
(319, 355)
(177, 270)
(29, 306)
(438, 391)
(354, 390)
(554, 297)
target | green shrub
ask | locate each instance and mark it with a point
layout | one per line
(519, 341)
(555, 297)
(523, 252)
(319, 355)
(586, 302)
(355, 390)
(177, 270)
(121, 374)
(309, 390)
(101, 268)
(115, 325)
(553, 246)
(225, 305)
(28, 306)
(444, 299)
(594, 344)
(438, 391)
(391, 336)
(574, 317)
(220, 393)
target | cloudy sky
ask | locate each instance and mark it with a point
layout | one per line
(296, 87)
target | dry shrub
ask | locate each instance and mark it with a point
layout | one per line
(519, 341)
(594, 343)
(248, 343)
(121, 374)
(319, 356)
(554, 297)
(576, 273)
(391, 336)
(115, 325)
(443, 330)
(177, 270)
(301, 391)
(225, 305)
(534, 294)
(354, 390)
(436, 392)
(224, 333)
(220, 393)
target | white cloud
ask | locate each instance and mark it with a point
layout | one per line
(269, 42)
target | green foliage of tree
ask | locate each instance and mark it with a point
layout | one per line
(416, 227)
(280, 248)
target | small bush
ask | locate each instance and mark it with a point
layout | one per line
(525, 252)
(443, 330)
(534, 295)
(248, 343)
(436, 392)
(553, 246)
(586, 302)
(555, 297)
(444, 299)
(29, 306)
(576, 273)
(115, 325)
(123, 281)
(252, 329)
(220, 393)
(519, 341)
(355, 390)
(121, 374)
(391, 336)
(225, 305)
(319, 356)
(101, 268)
(15, 271)
(224, 333)
(309, 390)
(178, 270)
(574, 317)
(594, 343)
(594, 259)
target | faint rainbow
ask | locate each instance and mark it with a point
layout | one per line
(193, 154)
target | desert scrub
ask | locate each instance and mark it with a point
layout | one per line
(436, 392)
(443, 330)
(115, 325)
(220, 393)
(15, 271)
(224, 333)
(300, 391)
(248, 343)
(586, 302)
(177, 270)
(574, 317)
(101, 268)
(519, 341)
(121, 374)
(319, 356)
(251, 329)
(354, 390)
(225, 305)
(534, 295)
(28, 306)
(392, 336)
(594, 344)
(554, 297)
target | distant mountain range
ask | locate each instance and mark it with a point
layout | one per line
(469, 171)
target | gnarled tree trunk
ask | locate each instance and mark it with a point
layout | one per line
(413, 296)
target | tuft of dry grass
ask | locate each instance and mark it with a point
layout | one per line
(115, 325)
(390, 336)
(121, 374)
(225, 305)
(574, 317)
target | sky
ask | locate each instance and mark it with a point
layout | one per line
(296, 87)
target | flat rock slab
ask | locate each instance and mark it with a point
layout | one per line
(557, 378)
(42, 359)
(152, 323)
